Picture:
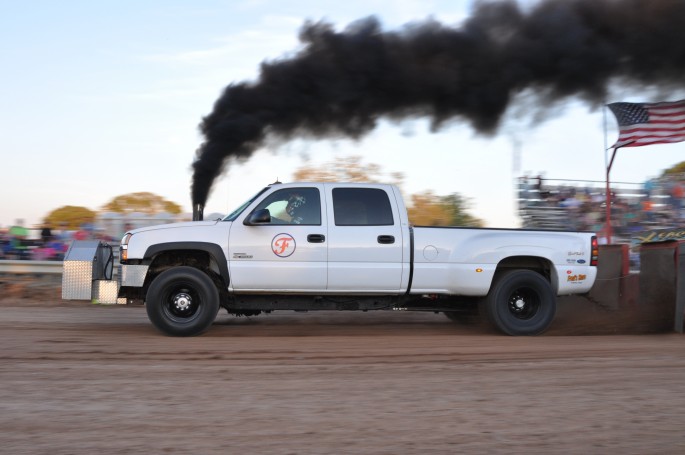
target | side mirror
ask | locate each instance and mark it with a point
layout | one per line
(261, 216)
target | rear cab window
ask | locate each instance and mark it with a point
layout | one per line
(361, 207)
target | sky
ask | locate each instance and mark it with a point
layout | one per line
(104, 98)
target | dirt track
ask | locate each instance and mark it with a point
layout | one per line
(83, 379)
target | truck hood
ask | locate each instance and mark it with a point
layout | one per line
(184, 224)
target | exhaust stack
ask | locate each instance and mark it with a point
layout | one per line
(198, 212)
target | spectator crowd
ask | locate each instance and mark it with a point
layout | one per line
(657, 204)
(45, 244)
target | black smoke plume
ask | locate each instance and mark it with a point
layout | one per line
(341, 82)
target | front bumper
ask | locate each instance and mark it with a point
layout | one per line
(132, 275)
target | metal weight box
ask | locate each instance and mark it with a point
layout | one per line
(87, 272)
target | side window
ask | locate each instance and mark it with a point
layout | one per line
(361, 207)
(293, 206)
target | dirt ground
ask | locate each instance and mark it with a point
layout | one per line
(77, 378)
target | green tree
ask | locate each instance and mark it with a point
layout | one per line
(675, 169)
(73, 216)
(457, 206)
(141, 202)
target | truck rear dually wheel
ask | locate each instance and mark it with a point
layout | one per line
(521, 302)
(182, 301)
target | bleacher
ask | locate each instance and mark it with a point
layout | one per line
(549, 207)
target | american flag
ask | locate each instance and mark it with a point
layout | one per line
(649, 123)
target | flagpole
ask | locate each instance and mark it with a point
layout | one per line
(604, 112)
(607, 221)
(608, 193)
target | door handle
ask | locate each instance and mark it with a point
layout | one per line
(386, 239)
(316, 238)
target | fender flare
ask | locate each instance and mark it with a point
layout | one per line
(212, 249)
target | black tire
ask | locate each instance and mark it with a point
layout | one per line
(521, 302)
(182, 301)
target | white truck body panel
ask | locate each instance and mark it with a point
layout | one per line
(214, 232)
(463, 261)
(357, 262)
(254, 266)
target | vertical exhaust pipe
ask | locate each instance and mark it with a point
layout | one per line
(198, 212)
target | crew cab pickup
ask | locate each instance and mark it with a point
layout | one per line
(344, 246)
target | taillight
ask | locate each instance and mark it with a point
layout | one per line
(594, 254)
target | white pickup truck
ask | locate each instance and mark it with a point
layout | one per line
(343, 246)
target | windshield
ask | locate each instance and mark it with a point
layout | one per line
(234, 214)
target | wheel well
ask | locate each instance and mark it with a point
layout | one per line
(534, 263)
(200, 260)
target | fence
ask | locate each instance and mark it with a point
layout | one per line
(29, 267)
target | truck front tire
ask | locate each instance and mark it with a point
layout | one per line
(521, 302)
(182, 301)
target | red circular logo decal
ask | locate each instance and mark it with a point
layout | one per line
(283, 245)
